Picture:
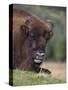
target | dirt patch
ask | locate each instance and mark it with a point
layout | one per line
(58, 69)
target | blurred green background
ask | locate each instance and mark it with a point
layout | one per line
(56, 47)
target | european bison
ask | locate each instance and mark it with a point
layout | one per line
(29, 38)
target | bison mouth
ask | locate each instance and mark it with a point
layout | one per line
(38, 56)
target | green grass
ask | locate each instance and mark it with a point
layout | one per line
(31, 78)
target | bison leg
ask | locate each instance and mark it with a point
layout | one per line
(44, 70)
(36, 68)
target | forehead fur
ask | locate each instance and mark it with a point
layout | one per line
(20, 17)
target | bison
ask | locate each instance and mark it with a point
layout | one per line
(28, 38)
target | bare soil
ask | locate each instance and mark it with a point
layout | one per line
(58, 69)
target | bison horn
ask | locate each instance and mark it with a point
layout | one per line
(50, 24)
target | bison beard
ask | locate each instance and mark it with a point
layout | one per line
(29, 36)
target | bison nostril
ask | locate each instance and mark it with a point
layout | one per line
(40, 54)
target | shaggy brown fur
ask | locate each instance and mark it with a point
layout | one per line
(24, 23)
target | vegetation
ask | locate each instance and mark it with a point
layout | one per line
(31, 78)
(59, 49)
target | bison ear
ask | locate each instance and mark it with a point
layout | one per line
(24, 30)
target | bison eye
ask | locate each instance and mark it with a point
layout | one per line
(32, 35)
(49, 35)
(46, 36)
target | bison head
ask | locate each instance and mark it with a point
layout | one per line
(37, 34)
